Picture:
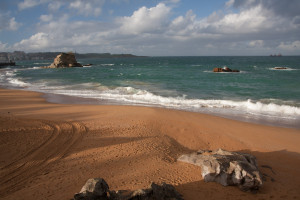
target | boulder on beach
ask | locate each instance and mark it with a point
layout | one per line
(225, 69)
(227, 168)
(65, 60)
(94, 188)
(97, 188)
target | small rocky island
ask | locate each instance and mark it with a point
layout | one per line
(225, 69)
(280, 68)
(65, 60)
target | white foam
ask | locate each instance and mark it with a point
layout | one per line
(137, 96)
(240, 72)
(17, 82)
(274, 109)
(33, 68)
(109, 64)
(8, 78)
(10, 73)
(42, 63)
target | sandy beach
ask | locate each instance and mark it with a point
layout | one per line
(48, 150)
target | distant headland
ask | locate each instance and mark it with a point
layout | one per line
(21, 55)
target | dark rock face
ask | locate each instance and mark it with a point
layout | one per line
(164, 191)
(225, 69)
(65, 60)
(97, 189)
(227, 168)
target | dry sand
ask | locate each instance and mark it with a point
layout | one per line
(48, 151)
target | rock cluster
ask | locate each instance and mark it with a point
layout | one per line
(98, 189)
(65, 60)
(225, 69)
(227, 168)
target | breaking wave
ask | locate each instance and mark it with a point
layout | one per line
(132, 96)
(8, 78)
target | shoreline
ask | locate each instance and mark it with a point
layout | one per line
(49, 150)
(262, 120)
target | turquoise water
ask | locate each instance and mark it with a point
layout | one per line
(258, 93)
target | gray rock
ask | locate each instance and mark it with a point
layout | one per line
(94, 188)
(227, 168)
(97, 189)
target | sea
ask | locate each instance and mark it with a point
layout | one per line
(259, 93)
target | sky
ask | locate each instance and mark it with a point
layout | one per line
(152, 27)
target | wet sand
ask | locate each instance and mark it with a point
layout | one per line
(49, 150)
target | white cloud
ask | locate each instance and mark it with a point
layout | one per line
(35, 42)
(81, 7)
(30, 3)
(247, 21)
(290, 46)
(171, 1)
(287, 9)
(181, 24)
(229, 3)
(13, 25)
(155, 31)
(4, 47)
(55, 5)
(256, 43)
(61, 33)
(27, 4)
(46, 18)
(8, 23)
(92, 7)
(146, 20)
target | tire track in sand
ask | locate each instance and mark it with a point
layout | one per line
(63, 137)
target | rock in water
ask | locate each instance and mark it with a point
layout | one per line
(217, 69)
(94, 188)
(227, 168)
(225, 69)
(65, 60)
(280, 68)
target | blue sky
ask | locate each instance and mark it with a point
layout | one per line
(152, 27)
